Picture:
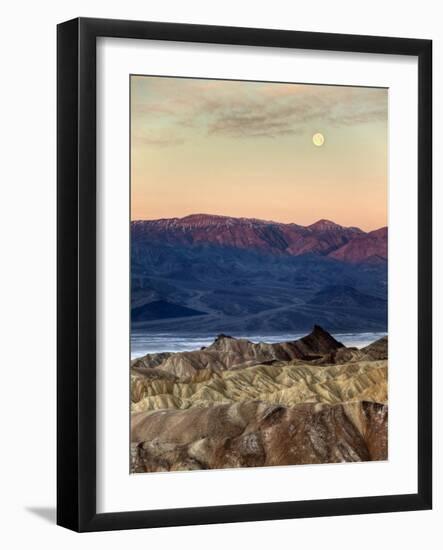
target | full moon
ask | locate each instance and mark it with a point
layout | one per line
(318, 139)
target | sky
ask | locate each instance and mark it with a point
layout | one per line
(245, 149)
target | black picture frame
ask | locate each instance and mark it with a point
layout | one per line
(76, 265)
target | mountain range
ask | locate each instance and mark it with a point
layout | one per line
(209, 274)
(324, 237)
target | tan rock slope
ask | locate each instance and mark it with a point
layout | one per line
(236, 403)
(285, 383)
(227, 353)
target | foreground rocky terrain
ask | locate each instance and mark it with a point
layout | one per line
(236, 403)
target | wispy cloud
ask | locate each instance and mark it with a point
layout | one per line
(247, 110)
(250, 125)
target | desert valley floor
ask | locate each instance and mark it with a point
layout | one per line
(239, 404)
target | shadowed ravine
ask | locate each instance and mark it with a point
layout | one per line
(238, 404)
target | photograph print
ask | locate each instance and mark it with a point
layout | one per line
(259, 274)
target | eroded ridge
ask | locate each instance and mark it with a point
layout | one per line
(239, 404)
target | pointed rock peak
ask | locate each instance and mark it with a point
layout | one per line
(377, 350)
(317, 329)
(222, 342)
(320, 341)
(225, 343)
(324, 225)
(223, 337)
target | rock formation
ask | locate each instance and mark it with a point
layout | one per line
(236, 403)
(228, 353)
(254, 433)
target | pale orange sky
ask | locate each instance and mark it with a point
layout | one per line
(245, 149)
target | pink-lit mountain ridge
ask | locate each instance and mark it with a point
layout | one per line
(325, 238)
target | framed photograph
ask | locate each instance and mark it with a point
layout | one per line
(244, 224)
